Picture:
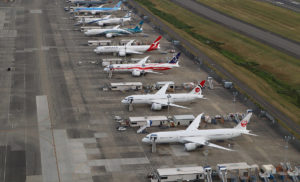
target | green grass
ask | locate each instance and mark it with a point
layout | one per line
(280, 86)
(262, 14)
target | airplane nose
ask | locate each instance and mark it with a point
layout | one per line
(145, 140)
(106, 69)
(124, 101)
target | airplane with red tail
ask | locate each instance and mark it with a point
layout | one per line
(128, 48)
(161, 99)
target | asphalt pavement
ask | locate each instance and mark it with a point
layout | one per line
(276, 41)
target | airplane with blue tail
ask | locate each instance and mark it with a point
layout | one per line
(100, 9)
(115, 31)
(107, 20)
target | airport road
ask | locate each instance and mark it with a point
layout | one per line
(264, 36)
(289, 4)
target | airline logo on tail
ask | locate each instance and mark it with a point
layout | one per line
(244, 123)
(118, 5)
(197, 89)
(175, 59)
(154, 45)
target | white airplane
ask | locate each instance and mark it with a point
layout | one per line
(129, 48)
(91, 20)
(115, 31)
(160, 98)
(193, 138)
(100, 9)
(142, 67)
(107, 20)
(115, 20)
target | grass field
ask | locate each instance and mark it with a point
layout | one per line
(272, 74)
(265, 15)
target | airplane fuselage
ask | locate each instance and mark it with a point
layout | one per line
(92, 32)
(94, 10)
(178, 136)
(147, 66)
(150, 98)
(113, 49)
(114, 21)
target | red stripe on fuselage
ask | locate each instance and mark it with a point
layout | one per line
(143, 68)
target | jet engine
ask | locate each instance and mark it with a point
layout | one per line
(136, 73)
(100, 24)
(93, 12)
(108, 35)
(122, 53)
(190, 146)
(156, 107)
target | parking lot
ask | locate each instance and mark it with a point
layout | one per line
(74, 117)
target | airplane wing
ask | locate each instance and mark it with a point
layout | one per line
(203, 141)
(143, 61)
(108, 16)
(101, 6)
(116, 27)
(132, 52)
(129, 43)
(195, 124)
(163, 90)
(165, 103)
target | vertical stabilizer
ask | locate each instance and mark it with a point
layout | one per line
(243, 124)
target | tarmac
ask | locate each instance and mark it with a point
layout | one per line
(57, 123)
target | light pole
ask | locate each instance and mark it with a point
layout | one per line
(169, 96)
(286, 147)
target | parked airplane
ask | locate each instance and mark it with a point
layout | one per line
(160, 98)
(87, 3)
(128, 48)
(115, 31)
(89, 20)
(100, 9)
(142, 67)
(193, 138)
(115, 20)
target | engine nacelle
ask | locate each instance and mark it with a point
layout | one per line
(122, 53)
(136, 73)
(190, 146)
(100, 24)
(108, 35)
(156, 107)
(93, 12)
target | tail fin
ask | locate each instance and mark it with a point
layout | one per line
(138, 28)
(175, 59)
(118, 5)
(155, 44)
(242, 125)
(198, 89)
(141, 23)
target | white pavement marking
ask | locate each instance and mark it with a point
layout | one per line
(49, 167)
(63, 157)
